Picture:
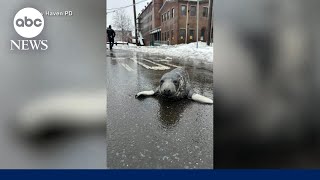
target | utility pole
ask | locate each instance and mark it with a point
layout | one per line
(209, 21)
(197, 22)
(187, 21)
(135, 21)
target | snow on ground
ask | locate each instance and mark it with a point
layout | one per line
(183, 51)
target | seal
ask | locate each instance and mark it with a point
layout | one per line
(176, 85)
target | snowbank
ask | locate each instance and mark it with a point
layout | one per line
(183, 51)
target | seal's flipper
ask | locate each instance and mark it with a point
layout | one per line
(145, 93)
(200, 98)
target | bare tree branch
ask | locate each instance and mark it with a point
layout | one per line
(123, 23)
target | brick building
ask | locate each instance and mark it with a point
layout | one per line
(149, 22)
(173, 21)
(179, 21)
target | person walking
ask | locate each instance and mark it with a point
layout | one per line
(111, 34)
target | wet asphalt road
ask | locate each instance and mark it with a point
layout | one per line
(152, 132)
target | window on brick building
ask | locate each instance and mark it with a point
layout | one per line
(182, 34)
(172, 13)
(191, 35)
(183, 10)
(168, 15)
(193, 11)
(203, 31)
(172, 36)
(205, 12)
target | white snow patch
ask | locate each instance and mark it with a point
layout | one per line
(183, 51)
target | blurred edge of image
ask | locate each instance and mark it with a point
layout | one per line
(266, 84)
(53, 102)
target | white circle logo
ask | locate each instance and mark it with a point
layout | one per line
(28, 22)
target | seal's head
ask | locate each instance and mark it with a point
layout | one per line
(170, 84)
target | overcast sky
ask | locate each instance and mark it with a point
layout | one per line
(129, 10)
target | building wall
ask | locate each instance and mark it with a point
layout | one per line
(145, 22)
(179, 22)
(149, 19)
(170, 29)
(157, 4)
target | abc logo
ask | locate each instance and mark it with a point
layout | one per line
(28, 22)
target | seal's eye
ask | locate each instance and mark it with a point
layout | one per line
(175, 82)
(161, 81)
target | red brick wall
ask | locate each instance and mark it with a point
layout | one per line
(173, 24)
(156, 20)
(147, 25)
(179, 21)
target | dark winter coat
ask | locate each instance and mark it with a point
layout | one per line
(111, 33)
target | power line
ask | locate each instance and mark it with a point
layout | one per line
(114, 9)
(117, 9)
(128, 5)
